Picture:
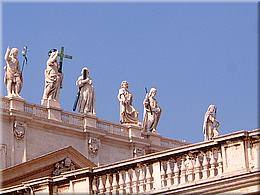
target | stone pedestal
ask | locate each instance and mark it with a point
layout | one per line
(54, 109)
(134, 131)
(50, 103)
(90, 121)
(16, 103)
(155, 139)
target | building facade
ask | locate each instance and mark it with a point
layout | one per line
(45, 149)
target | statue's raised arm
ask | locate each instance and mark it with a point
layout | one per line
(13, 76)
(53, 79)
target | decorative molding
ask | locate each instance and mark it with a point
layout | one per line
(63, 166)
(138, 152)
(19, 130)
(3, 147)
(93, 146)
(3, 155)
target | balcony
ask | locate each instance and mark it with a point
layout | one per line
(229, 163)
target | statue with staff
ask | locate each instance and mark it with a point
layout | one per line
(53, 77)
(13, 75)
(85, 100)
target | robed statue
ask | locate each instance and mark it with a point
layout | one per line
(53, 79)
(85, 102)
(210, 123)
(13, 75)
(128, 114)
(152, 112)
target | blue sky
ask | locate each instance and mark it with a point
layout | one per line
(195, 54)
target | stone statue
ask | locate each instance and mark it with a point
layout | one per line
(13, 76)
(128, 114)
(152, 112)
(53, 79)
(210, 124)
(86, 95)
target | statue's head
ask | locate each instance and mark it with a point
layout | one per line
(85, 71)
(152, 92)
(124, 84)
(14, 52)
(212, 109)
(51, 51)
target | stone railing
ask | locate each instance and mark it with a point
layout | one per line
(170, 143)
(112, 128)
(5, 104)
(187, 169)
(72, 118)
(82, 121)
(171, 169)
(184, 166)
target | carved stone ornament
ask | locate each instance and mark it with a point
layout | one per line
(19, 130)
(138, 152)
(63, 166)
(93, 146)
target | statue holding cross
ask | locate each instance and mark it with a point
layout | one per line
(53, 78)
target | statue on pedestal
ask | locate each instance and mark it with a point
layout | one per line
(152, 111)
(85, 101)
(13, 76)
(128, 114)
(210, 124)
(53, 79)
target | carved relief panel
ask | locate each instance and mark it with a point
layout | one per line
(93, 146)
(18, 130)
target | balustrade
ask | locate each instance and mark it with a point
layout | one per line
(172, 169)
(5, 104)
(176, 170)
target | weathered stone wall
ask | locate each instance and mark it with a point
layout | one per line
(227, 164)
(39, 130)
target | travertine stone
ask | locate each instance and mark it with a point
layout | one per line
(156, 175)
(169, 173)
(154, 139)
(210, 124)
(121, 183)
(53, 80)
(13, 75)
(3, 156)
(19, 130)
(141, 179)
(93, 146)
(148, 179)
(128, 114)
(163, 174)
(86, 94)
(134, 181)
(16, 103)
(89, 121)
(176, 170)
(114, 184)
(197, 169)
(54, 113)
(239, 180)
(152, 112)
(134, 131)
(183, 172)
(127, 182)
(235, 160)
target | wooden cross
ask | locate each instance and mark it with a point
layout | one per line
(62, 55)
